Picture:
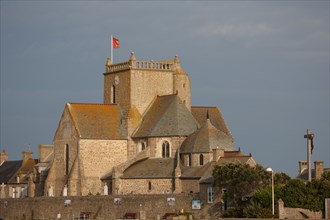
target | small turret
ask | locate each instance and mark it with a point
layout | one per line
(177, 66)
(107, 65)
(181, 83)
(132, 60)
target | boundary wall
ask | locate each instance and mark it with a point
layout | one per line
(101, 207)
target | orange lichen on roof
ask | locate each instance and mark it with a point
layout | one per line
(28, 165)
(101, 121)
(134, 113)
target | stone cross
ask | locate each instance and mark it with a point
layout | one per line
(309, 136)
(3, 195)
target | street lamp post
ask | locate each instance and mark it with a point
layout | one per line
(273, 204)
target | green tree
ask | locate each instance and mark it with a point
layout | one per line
(299, 194)
(240, 182)
(281, 178)
(326, 176)
(256, 210)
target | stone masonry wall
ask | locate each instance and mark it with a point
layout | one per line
(97, 157)
(190, 185)
(102, 207)
(45, 151)
(141, 186)
(147, 84)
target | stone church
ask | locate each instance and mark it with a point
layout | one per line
(145, 138)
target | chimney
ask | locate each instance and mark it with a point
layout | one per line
(45, 151)
(217, 153)
(3, 156)
(318, 169)
(302, 166)
(27, 155)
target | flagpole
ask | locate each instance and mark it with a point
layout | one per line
(111, 50)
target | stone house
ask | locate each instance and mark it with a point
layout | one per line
(145, 138)
(317, 172)
(15, 175)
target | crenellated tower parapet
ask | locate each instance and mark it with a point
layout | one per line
(133, 64)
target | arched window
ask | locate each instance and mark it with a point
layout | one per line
(165, 149)
(201, 159)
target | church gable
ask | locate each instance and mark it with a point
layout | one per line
(166, 117)
(66, 128)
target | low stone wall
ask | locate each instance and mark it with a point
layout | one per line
(101, 207)
(296, 213)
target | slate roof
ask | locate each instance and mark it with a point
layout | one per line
(196, 172)
(215, 116)
(207, 138)
(8, 169)
(150, 168)
(164, 167)
(97, 121)
(167, 116)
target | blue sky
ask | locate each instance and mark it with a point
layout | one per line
(264, 63)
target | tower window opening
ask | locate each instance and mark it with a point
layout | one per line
(149, 185)
(66, 159)
(113, 94)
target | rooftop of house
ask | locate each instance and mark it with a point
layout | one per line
(304, 174)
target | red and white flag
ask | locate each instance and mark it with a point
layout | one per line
(115, 43)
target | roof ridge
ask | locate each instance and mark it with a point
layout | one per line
(80, 103)
(237, 156)
(204, 107)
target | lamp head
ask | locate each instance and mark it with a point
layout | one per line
(269, 169)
